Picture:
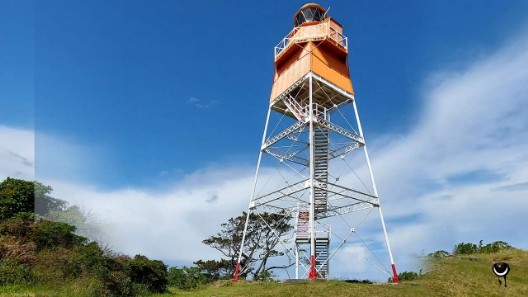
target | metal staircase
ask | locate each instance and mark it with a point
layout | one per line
(322, 245)
(302, 229)
(295, 108)
(321, 170)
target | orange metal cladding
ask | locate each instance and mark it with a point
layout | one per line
(316, 46)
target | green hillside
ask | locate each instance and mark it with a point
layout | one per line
(454, 276)
(39, 257)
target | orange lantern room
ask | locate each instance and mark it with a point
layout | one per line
(315, 44)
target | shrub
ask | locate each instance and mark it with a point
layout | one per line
(49, 234)
(266, 276)
(55, 266)
(151, 273)
(408, 275)
(18, 225)
(14, 273)
(494, 247)
(12, 248)
(465, 248)
(438, 254)
(119, 283)
(16, 196)
(214, 270)
(186, 278)
(91, 260)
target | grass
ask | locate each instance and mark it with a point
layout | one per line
(458, 276)
(78, 288)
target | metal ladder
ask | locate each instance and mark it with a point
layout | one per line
(321, 169)
(322, 246)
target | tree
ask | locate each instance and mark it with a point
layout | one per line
(149, 273)
(493, 247)
(264, 232)
(84, 221)
(19, 196)
(465, 248)
(438, 254)
(186, 278)
(214, 270)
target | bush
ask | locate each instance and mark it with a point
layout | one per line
(91, 260)
(151, 273)
(18, 225)
(408, 275)
(12, 248)
(494, 247)
(214, 270)
(186, 278)
(438, 254)
(266, 276)
(471, 248)
(49, 234)
(14, 273)
(118, 283)
(465, 248)
(16, 196)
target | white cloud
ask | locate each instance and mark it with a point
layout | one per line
(169, 225)
(201, 103)
(473, 124)
(66, 159)
(347, 258)
(17, 153)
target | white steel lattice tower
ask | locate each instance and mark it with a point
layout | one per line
(313, 154)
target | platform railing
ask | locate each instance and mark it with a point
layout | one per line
(314, 32)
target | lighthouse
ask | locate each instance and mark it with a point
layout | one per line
(313, 165)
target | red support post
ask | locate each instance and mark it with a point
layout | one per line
(395, 277)
(237, 267)
(313, 272)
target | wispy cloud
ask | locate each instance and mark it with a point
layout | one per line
(193, 100)
(512, 187)
(168, 225)
(473, 121)
(17, 153)
(202, 103)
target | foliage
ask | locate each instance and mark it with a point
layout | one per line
(465, 248)
(409, 275)
(186, 278)
(13, 272)
(493, 247)
(151, 273)
(48, 234)
(20, 196)
(266, 276)
(471, 248)
(46, 253)
(214, 270)
(438, 254)
(263, 234)
(18, 226)
(453, 277)
(15, 249)
(16, 196)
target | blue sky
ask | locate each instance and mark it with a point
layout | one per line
(145, 98)
(124, 75)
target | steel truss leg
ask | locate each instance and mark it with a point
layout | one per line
(237, 267)
(313, 272)
(395, 274)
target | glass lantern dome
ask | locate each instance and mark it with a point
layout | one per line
(310, 12)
